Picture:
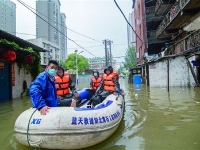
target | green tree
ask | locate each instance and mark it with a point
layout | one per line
(130, 58)
(70, 62)
(120, 69)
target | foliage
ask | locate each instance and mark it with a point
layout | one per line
(120, 70)
(16, 46)
(70, 62)
(130, 58)
(34, 68)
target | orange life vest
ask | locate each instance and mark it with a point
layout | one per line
(96, 82)
(62, 84)
(109, 85)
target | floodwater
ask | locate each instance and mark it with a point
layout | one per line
(153, 119)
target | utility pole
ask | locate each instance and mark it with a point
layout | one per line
(106, 58)
(108, 53)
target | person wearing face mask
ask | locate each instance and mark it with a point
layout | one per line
(42, 90)
(109, 85)
(95, 81)
(64, 88)
(88, 93)
(94, 84)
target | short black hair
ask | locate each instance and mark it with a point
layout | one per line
(110, 68)
(53, 62)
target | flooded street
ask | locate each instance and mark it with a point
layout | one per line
(153, 119)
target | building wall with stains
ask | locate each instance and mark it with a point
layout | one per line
(179, 73)
(20, 76)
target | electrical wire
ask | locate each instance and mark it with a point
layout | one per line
(61, 24)
(119, 57)
(83, 35)
(24, 4)
(87, 47)
(52, 37)
(127, 21)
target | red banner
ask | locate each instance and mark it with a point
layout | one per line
(13, 74)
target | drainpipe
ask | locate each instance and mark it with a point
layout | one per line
(168, 75)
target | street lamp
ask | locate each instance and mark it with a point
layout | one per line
(76, 51)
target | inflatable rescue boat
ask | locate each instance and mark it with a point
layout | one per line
(70, 127)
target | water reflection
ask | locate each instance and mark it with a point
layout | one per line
(172, 118)
(153, 119)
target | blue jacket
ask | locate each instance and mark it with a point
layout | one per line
(43, 92)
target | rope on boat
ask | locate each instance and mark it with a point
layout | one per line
(28, 129)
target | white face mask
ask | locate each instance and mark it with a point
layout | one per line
(95, 74)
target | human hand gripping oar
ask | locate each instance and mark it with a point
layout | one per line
(89, 104)
(97, 93)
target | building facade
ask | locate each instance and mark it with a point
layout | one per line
(52, 50)
(130, 34)
(53, 28)
(14, 76)
(98, 63)
(63, 38)
(170, 31)
(140, 29)
(8, 16)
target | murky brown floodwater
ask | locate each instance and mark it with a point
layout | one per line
(153, 120)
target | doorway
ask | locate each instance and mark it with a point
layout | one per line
(5, 82)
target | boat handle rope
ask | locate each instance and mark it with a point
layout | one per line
(28, 140)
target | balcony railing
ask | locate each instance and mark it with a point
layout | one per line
(187, 43)
(173, 12)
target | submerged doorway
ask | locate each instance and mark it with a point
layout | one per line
(5, 82)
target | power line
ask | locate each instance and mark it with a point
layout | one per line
(27, 6)
(52, 37)
(24, 33)
(61, 24)
(87, 47)
(119, 57)
(83, 35)
(127, 21)
(119, 44)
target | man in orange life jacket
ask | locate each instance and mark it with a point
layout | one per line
(64, 87)
(109, 84)
(95, 81)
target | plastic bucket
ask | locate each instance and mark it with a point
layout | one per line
(137, 79)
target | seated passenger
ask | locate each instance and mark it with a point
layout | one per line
(95, 81)
(109, 85)
(64, 88)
